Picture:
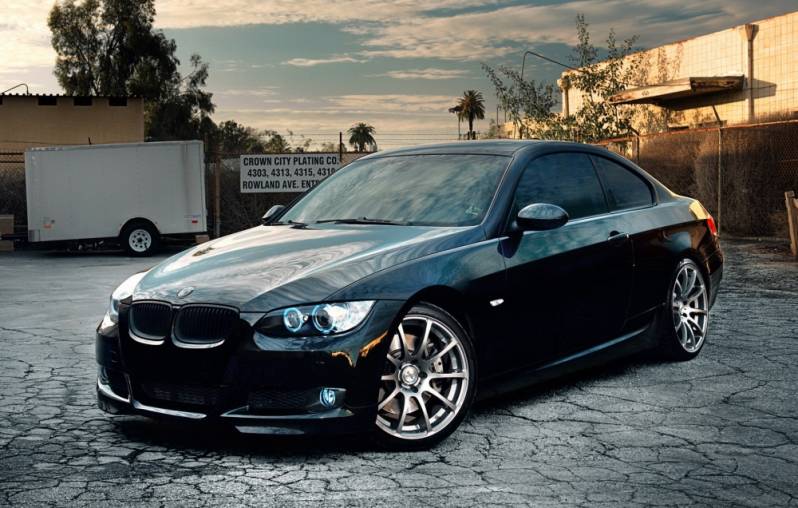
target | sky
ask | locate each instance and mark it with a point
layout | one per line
(316, 67)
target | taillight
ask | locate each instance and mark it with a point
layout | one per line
(711, 225)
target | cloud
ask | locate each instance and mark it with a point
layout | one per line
(176, 14)
(310, 62)
(430, 73)
(25, 44)
(434, 29)
(263, 91)
(498, 32)
(393, 130)
(393, 103)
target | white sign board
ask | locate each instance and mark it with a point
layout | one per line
(286, 172)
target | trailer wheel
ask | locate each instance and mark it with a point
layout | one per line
(140, 239)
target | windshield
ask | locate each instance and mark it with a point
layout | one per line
(427, 190)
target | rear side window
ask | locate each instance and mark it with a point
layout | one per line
(567, 180)
(624, 188)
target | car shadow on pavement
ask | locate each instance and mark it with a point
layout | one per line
(226, 440)
(614, 369)
(166, 250)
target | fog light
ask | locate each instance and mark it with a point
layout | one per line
(327, 397)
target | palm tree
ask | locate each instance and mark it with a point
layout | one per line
(361, 135)
(457, 110)
(471, 107)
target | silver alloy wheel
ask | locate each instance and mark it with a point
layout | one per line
(139, 240)
(425, 382)
(690, 307)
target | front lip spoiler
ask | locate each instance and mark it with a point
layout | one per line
(334, 421)
(107, 391)
(168, 412)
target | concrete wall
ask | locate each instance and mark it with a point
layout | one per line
(775, 76)
(24, 123)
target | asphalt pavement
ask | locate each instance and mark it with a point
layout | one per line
(720, 430)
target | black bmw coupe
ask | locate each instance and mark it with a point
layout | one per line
(409, 283)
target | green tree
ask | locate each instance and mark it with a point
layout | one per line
(526, 102)
(184, 114)
(530, 104)
(458, 111)
(328, 146)
(361, 135)
(109, 47)
(234, 138)
(471, 106)
(597, 80)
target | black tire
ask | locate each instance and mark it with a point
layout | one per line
(672, 344)
(462, 362)
(140, 239)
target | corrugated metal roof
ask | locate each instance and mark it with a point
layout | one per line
(678, 89)
(70, 96)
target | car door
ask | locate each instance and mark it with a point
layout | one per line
(630, 198)
(568, 288)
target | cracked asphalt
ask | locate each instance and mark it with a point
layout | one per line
(720, 430)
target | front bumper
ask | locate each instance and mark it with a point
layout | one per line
(255, 383)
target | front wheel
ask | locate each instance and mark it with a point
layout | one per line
(686, 318)
(429, 380)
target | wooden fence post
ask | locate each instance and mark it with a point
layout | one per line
(720, 177)
(792, 220)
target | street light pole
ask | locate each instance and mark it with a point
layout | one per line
(27, 91)
(530, 52)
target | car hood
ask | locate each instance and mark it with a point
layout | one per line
(268, 267)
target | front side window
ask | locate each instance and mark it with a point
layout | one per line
(427, 190)
(624, 188)
(567, 180)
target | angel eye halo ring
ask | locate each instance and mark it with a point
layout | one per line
(315, 319)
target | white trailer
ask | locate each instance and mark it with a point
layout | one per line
(134, 192)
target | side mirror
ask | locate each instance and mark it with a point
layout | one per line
(540, 217)
(271, 214)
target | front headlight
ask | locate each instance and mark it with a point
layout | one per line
(125, 290)
(311, 320)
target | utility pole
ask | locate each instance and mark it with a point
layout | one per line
(497, 121)
(340, 147)
(217, 198)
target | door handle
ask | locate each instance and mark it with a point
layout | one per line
(617, 237)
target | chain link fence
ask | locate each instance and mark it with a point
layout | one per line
(739, 173)
(12, 187)
(239, 210)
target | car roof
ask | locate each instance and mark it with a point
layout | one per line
(506, 147)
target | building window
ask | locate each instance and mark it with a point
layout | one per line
(82, 101)
(47, 100)
(117, 101)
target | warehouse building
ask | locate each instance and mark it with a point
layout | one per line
(30, 120)
(748, 73)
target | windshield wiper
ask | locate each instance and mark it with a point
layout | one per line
(364, 220)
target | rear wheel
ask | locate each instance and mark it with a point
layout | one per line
(428, 382)
(140, 239)
(686, 317)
